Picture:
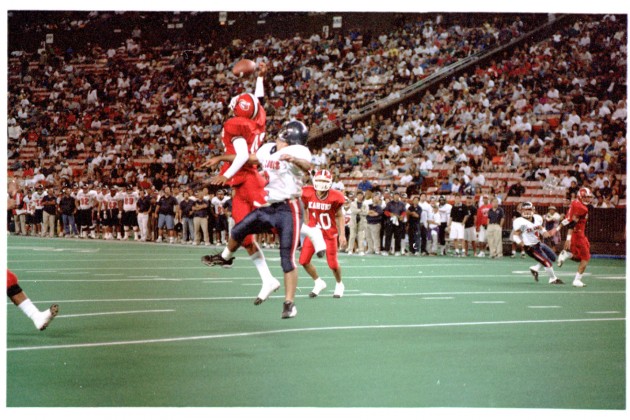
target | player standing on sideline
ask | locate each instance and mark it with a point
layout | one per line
(85, 201)
(222, 228)
(285, 164)
(576, 241)
(528, 228)
(444, 209)
(457, 218)
(324, 207)
(130, 212)
(15, 292)
(481, 225)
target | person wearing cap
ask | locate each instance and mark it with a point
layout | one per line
(551, 220)
(68, 208)
(357, 223)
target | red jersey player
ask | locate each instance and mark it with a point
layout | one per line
(577, 242)
(242, 135)
(324, 208)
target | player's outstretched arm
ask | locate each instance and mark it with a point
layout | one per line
(303, 164)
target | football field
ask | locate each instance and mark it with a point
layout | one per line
(147, 325)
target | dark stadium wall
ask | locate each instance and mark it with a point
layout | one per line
(27, 30)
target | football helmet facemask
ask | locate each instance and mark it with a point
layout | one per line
(585, 195)
(527, 210)
(244, 105)
(322, 181)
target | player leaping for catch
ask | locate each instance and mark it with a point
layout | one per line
(242, 135)
(528, 228)
(577, 246)
(325, 210)
(285, 163)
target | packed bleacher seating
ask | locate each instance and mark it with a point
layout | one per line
(535, 123)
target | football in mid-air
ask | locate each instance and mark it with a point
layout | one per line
(244, 67)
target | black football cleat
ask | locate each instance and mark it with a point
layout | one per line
(217, 260)
(288, 310)
(556, 281)
(535, 274)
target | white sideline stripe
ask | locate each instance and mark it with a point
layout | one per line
(488, 301)
(436, 298)
(303, 296)
(200, 266)
(41, 271)
(115, 313)
(300, 330)
(603, 312)
(377, 278)
(218, 281)
(544, 307)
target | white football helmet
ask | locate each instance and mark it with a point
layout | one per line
(322, 181)
(527, 210)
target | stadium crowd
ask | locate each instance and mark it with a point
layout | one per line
(550, 116)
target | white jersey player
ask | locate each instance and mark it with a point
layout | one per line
(130, 212)
(528, 230)
(86, 200)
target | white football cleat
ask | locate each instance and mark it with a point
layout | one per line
(46, 317)
(578, 283)
(266, 290)
(317, 288)
(564, 255)
(339, 288)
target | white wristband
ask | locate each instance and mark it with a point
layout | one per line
(568, 237)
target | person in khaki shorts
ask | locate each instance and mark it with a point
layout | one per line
(496, 217)
(49, 201)
(374, 221)
(200, 213)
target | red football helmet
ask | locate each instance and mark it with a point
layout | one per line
(244, 105)
(322, 181)
(585, 195)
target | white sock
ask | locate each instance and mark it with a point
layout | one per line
(29, 308)
(226, 254)
(578, 276)
(536, 267)
(261, 265)
(552, 275)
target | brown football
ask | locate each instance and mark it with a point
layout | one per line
(244, 67)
